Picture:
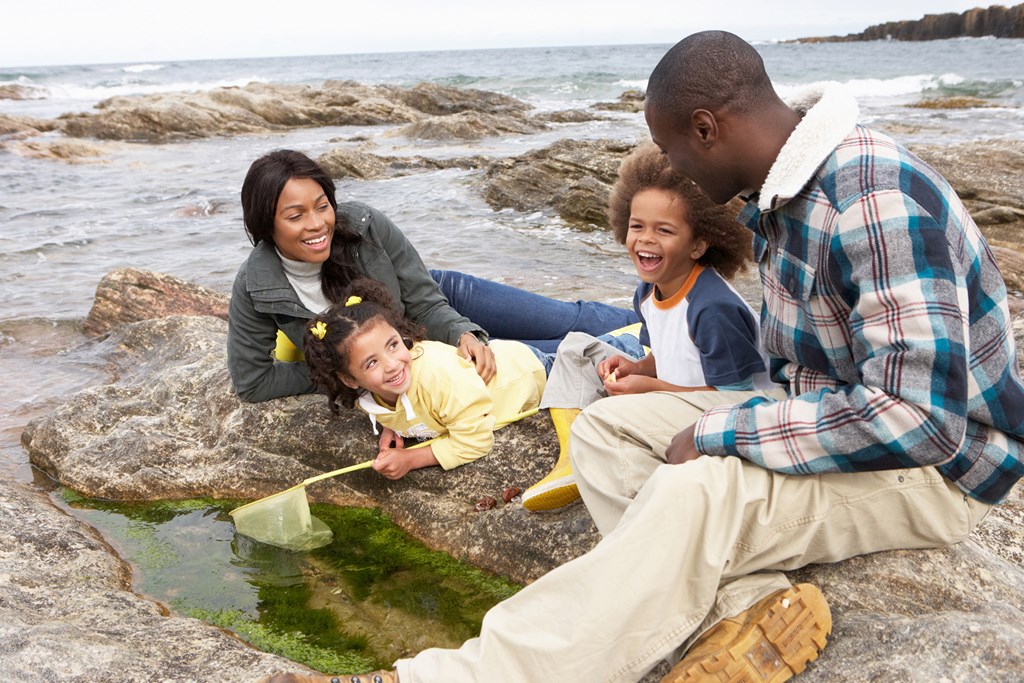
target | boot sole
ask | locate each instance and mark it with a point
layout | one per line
(777, 643)
(557, 496)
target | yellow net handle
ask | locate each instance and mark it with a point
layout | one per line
(368, 463)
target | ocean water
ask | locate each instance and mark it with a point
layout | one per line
(174, 207)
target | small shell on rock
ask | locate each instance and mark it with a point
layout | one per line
(510, 493)
(485, 503)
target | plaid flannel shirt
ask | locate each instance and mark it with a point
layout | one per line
(886, 317)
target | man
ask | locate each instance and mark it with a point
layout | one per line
(887, 320)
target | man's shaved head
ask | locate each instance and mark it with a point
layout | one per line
(713, 70)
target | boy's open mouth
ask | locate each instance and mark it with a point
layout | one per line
(648, 260)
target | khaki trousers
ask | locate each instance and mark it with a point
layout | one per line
(701, 541)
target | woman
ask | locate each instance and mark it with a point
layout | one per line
(308, 248)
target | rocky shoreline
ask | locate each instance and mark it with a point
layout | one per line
(998, 21)
(168, 426)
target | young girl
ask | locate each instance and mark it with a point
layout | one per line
(363, 353)
(702, 335)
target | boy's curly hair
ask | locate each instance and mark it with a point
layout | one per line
(328, 357)
(645, 168)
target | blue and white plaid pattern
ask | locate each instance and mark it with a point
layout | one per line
(887, 319)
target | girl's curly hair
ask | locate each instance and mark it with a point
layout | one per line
(645, 168)
(328, 357)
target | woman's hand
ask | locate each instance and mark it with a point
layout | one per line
(389, 438)
(472, 349)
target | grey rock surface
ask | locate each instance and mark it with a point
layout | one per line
(169, 426)
(68, 613)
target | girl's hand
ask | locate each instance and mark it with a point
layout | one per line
(395, 463)
(472, 349)
(389, 438)
(392, 463)
(631, 384)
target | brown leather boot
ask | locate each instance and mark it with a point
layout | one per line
(769, 642)
(372, 677)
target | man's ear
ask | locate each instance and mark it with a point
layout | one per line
(705, 126)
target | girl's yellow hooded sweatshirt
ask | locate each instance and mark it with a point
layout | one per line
(447, 400)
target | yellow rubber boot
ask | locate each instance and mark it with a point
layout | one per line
(558, 489)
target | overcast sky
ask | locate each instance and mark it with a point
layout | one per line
(42, 32)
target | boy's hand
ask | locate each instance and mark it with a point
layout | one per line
(389, 438)
(630, 384)
(614, 368)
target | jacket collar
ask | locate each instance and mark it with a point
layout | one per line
(370, 406)
(828, 114)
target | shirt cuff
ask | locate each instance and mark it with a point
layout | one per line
(714, 433)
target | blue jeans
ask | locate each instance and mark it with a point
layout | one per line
(510, 313)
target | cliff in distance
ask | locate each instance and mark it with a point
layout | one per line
(997, 21)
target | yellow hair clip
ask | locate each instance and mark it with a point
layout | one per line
(319, 330)
(353, 300)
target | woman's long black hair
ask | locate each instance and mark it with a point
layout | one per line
(261, 189)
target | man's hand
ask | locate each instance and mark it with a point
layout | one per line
(682, 448)
(472, 349)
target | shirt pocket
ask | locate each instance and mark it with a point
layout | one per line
(795, 276)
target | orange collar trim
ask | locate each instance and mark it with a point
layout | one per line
(676, 298)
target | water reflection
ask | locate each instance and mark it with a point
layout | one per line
(371, 596)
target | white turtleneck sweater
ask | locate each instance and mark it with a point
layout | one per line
(304, 278)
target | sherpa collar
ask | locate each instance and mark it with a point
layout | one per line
(828, 114)
(369, 404)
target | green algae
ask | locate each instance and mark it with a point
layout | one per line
(371, 596)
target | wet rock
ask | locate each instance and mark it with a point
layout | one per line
(18, 91)
(23, 126)
(569, 116)
(364, 165)
(468, 125)
(631, 101)
(571, 176)
(438, 100)
(68, 613)
(71, 151)
(128, 295)
(261, 107)
(170, 427)
(348, 163)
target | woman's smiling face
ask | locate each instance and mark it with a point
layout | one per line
(304, 221)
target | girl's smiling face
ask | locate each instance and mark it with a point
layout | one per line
(660, 240)
(379, 361)
(304, 221)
